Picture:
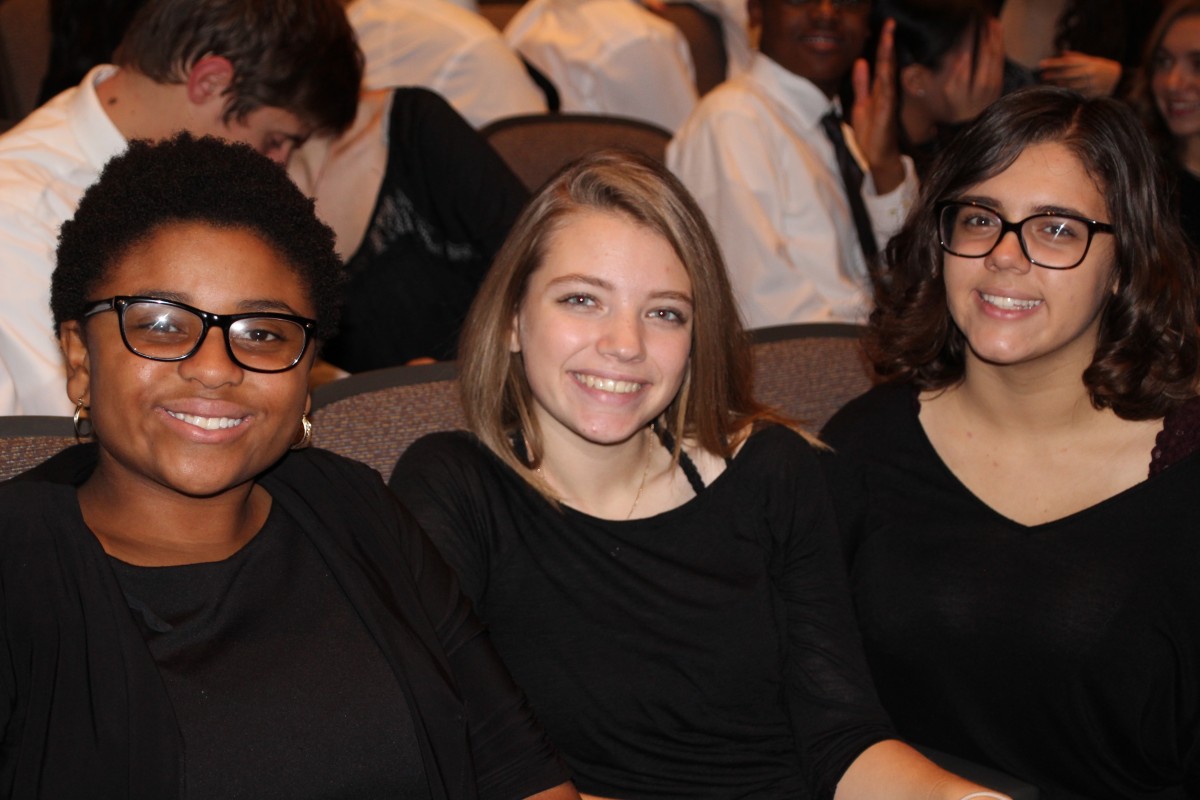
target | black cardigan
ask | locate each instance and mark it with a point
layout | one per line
(84, 712)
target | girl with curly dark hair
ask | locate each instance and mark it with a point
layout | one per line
(1018, 497)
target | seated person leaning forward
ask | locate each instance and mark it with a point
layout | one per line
(654, 556)
(238, 69)
(1020, 498)
(172, 588)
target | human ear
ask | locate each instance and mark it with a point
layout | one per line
(514, 335)
(73, 343)
(914, 80)
(209, 79)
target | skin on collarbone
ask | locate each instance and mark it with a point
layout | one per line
(1035, 451)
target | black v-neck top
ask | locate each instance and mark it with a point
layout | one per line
(1067, 653)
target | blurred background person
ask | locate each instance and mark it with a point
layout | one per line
(608, 57)
(420, 203)
(1167, 95)
(447, 49)
(800, 201)
(238, 69)
(1091, 46)
(949, 67)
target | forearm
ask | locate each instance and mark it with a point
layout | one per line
(564, 791)
(907, 774)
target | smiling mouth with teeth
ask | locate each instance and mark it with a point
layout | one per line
(1010, 303)
(207, 423)
(606, 384)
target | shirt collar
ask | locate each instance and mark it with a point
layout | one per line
(98, 137)
(799, 95)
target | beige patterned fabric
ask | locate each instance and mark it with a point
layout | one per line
(536, 146)
(809, 371)
(28, 441)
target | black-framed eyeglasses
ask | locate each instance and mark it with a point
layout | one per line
(1048, 239)
(164, 330)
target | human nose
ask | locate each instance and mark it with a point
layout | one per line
(210, 363)
(1009, 253)
(622, 338)
(1174, 78)
(824, 10)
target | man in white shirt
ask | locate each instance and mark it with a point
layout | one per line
(238, 69)
(608, 57)
(759, 161)
(447, 49)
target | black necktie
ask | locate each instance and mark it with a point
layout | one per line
(852, 179)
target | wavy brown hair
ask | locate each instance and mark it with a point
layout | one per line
(1147, 348)
(715, 399)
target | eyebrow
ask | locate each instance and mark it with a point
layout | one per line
(682, 297)
(600, 283)
(1191, 52)
(249, 306)
(996, 205)
(575, 277)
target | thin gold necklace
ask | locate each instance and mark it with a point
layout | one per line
(645, 472)
(641, 486)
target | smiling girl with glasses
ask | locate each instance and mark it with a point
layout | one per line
(1018, 498)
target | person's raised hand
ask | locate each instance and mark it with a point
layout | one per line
(873, 116)
(976, 79)
(1089, 75)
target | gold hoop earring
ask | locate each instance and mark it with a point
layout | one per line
(305, 433)
(81, 422)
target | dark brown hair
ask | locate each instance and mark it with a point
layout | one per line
(298, 55)
(715, 399)
(1147, 350)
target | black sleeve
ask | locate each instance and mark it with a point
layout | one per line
(435, 480)
(831, 697)
(511, 754)
(844, 476)
(860, 428)
(464, 183)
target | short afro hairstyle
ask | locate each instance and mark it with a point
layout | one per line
(192, 180)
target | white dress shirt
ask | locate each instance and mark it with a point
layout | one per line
(46, 163)
(759, 164)
(735, 31)
(454, 52)
(608, 57)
